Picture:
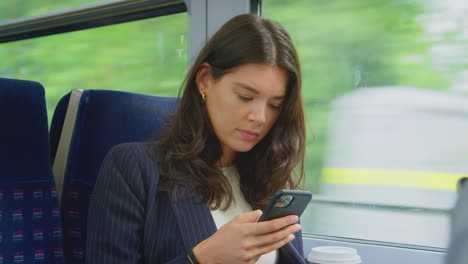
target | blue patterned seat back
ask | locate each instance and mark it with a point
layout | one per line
(30, 222)
(104, 118)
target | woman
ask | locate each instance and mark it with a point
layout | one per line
(193, 195)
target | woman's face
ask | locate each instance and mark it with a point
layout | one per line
(243, 105)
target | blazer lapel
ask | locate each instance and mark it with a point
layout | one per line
(289, 254)
(195, 220)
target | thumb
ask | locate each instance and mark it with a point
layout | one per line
(250, 217)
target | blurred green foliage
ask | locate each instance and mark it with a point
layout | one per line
(147, 56)
(342, 44)
(18, 9)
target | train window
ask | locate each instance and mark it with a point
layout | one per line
(385, 85)
(146, 56)
(13, 9)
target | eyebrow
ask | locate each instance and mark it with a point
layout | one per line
(253, 90)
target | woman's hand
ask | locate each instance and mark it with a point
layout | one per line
(243, 240)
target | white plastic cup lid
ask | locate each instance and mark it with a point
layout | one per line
(334, 255)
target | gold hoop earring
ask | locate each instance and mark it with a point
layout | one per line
(203, 96)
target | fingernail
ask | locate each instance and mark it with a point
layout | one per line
(295, 218)
(291, 237)
(299, 227)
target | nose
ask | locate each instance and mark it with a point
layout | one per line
(258, 113)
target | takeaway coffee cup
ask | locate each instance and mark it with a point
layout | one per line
(333, 255)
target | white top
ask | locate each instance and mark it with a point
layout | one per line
(238, 206)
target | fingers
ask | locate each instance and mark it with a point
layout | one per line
(250, 217)
(274, 225)
(269, 242)
(254, 239)
(282, 234)
(274, 246)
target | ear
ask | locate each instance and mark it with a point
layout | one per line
(203, 77)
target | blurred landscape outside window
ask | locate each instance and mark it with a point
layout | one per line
(20, 9)
(147, 56)
(385, 86)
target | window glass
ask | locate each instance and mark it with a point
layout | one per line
(385, 85)
(147, 56)
(14, 9)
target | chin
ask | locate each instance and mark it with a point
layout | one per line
(244, 147)
(244, 150)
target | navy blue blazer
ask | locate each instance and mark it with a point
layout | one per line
(130, 221)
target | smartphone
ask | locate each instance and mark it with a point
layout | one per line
(286, 202)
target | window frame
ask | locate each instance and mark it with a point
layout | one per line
(87, 17)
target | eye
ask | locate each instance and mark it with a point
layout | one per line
(275, 107)
(244, 98)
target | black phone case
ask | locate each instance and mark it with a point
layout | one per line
(296, 207)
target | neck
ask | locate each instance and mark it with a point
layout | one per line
(226, 159)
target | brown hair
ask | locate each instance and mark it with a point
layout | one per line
(189, 149)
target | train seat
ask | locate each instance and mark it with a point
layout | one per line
(30, 222)
(86, 124)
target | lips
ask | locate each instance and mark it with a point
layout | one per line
(247, 134)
